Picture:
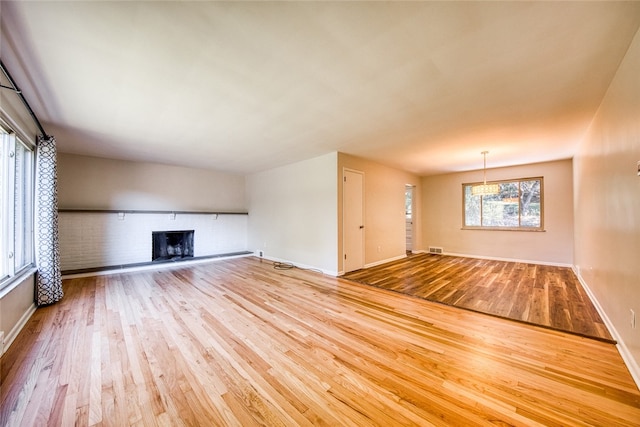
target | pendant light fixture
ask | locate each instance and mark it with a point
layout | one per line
(485, 189)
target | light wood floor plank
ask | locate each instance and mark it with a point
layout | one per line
(238, 343)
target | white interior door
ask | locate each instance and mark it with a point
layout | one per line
(353, 220)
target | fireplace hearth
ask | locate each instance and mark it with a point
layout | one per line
(172, 245)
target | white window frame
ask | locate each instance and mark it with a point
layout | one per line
(13, 264)
(504, 228)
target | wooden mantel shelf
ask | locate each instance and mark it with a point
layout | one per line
(125, 211)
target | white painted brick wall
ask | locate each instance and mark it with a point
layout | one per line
(99, 239)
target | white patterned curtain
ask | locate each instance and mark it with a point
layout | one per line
(48, 277)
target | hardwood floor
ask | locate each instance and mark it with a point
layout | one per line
(542, 295)
(239, 343)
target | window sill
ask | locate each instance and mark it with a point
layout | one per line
(11, 283)
(527, 230)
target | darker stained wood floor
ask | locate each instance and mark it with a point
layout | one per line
(542, 295)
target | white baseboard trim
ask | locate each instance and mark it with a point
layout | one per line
(524, 261)
(13, 333)
(384, 261)
(626, 355)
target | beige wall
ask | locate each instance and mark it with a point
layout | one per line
(16, 306)
(384, 209)
(442, 218)
(292, 213)
(96, 183)
(607, 206)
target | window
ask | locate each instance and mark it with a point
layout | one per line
(517, 206)
(16, 206)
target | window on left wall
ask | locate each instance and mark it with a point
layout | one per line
(16, 206)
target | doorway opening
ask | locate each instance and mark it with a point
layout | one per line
(409, 209)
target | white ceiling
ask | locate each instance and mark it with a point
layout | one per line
(244, 86)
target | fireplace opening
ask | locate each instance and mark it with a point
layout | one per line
(172, 245)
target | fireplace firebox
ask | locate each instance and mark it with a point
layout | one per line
(172, 245)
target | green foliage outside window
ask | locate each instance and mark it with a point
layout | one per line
(517, 206)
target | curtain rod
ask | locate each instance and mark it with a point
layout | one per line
(14, 87)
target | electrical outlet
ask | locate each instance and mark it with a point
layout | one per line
(633, 319)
